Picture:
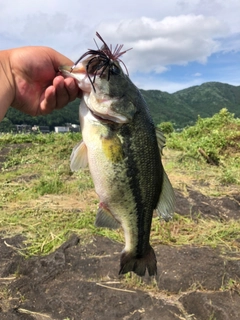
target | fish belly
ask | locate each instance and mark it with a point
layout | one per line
(122, 190)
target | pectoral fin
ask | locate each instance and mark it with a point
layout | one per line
(79, 157)
(105, 219)
(166, 203)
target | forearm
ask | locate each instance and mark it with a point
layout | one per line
(6, 83)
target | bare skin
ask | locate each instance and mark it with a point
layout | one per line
(30, 81)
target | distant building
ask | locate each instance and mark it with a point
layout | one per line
(75, 128)
(61, 129)
(43, 129)
(19, 128)
(68, 128)
(23, 128)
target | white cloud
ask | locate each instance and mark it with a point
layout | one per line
(173, 40)
(197, 74)
(161, 34)
(148, 82)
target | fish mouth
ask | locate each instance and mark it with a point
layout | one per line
(101, 118)
(79, 73)
(108, 119)
(73, 70)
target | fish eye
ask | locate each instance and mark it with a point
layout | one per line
(114, 69)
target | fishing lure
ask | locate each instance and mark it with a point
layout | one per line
(102, 59)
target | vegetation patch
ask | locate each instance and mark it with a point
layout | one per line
(44, 203)
(213, 140)
(42, 199)
(181, 107)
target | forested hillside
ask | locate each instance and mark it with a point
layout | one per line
(181, 108)
(69, 114)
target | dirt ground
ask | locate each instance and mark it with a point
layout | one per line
(80, 281)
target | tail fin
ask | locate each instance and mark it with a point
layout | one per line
(130, 262)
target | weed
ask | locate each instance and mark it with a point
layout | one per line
(131, 280)
(212, 317)
(43, 200)
(49, 185)
(228, 177)
(203, 232)
(232, 285)
(218, 138)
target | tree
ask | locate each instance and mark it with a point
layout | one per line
(166, 127)
(6, 125)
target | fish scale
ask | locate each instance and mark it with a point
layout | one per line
(123, 150)
(142, 185)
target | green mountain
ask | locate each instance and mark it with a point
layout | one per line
(181, 108)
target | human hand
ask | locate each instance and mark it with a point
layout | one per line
(38, 87)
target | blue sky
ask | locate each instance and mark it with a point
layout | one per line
(176, 44)
(221, 67)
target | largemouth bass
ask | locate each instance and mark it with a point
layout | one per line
(123, 151)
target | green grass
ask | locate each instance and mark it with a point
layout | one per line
(43, 200)
(218, 137)
(46, 229)
(184, 230)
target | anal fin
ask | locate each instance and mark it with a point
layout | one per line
(105, 219)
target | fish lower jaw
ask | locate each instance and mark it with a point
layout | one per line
(105, 118)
